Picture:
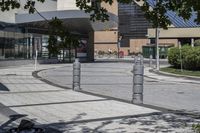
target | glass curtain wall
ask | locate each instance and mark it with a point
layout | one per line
(14, 45)
(132, 23)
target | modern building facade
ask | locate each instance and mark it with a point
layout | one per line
(15, 41)
(134, 31)
(22, 34)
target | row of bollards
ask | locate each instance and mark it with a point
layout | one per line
(138, 78)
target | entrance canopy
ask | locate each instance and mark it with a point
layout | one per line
(76, 21)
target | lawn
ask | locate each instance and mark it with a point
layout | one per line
(178, 71)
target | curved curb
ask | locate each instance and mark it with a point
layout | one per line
(35, 75)
(161, 109)
(131, 60)
(175, 75)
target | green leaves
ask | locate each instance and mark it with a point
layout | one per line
(60, 38)
(55, 32)
(156, 14)
(190, 57)
(53, 46)
(174, 56)
(94, 8)
(183, 8)
(30, 5)
(196, 128)
(6, 5)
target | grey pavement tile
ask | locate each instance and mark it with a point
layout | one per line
(70, 111)
(148, 123)
(42, 97)
(90, 110)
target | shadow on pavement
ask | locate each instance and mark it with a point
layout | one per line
(10, 122)
(151, 123)
(3, 87)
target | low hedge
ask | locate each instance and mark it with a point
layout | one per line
(190, 57)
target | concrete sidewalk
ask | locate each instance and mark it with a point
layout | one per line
(130, 59)
(169, 77)
(64, 110)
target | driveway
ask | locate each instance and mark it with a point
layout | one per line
(115, 80)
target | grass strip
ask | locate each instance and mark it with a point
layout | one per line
(178, 71)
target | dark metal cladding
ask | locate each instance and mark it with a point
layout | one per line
(132, 23)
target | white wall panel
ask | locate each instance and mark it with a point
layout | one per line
(66, 5)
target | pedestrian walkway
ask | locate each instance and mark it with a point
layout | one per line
(149, 73)
(129, 59)
(25, 97)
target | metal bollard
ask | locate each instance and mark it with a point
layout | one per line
(138, 79)
(76, 75)
(150, 60)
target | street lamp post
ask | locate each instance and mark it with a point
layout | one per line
(118, 44)
(181, 61)
(157, 50)
(157, 41)
(36, 56)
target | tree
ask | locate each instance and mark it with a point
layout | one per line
(55, 29)
(60, 39)
(6, 5)
(197, 42)
(156, 14)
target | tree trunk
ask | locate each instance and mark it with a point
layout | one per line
(75, 52)
(70, 60)
(63, 55)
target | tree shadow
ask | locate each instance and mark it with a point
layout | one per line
(11, 122)
(172, 121)
(3, 87)
(178, 121)
(169, 122)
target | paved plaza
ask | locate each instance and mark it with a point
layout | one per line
(61, 110)
(115, 80)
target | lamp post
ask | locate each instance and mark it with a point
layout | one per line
(181, 61)
(157, 50)
(118, 44)
(157, 41)
(36, 56)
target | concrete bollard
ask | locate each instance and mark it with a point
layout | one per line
(138, 79)
(76, 75)
(150, 60)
